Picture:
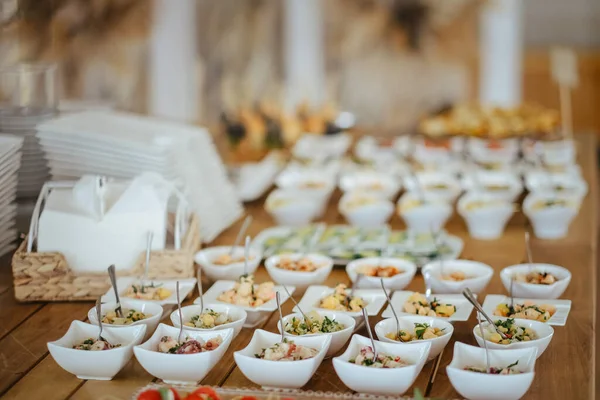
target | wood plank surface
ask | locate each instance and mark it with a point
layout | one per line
(567, 369)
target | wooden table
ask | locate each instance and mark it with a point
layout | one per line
(566, 370)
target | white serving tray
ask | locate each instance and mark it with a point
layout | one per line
(563, 307)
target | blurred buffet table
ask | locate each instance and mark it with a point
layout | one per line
(566, 370)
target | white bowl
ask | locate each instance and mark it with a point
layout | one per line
(483, 181)
(299, 279)
(374, 213)
(155, 310)
(534, 291)
(396, 282)
(494, 150)
(186, 286)
(181, 369)
(280, 374)
(488, 222)
(407, 324)
(300, 180)
(317, 148)
(292, 207)
(543, 182)
(550, 222)
(374, 300)
(237, 316)
(389, 381)
(206, 257)
(97, 365)
(424, 218)
(376, 183)
(256, 315)
(425, 152)
(427, 181)
(479, 275)
(478, 386)
(543, 330)
(338, 339)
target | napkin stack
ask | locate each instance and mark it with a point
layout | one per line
(21, 122)
(126, 145)
(10, 161)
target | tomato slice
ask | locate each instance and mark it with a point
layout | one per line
(151, 394)
(206, 393)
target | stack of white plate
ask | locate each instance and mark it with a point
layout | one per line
(10, 161)
(126, 145)
(21, 122)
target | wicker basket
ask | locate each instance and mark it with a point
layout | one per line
(47, 276)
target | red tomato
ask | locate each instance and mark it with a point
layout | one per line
(193, 397)
(206, 393)
(151, 394)
(169, 394)
(248, 398)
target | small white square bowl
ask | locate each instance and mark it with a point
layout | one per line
(426, 181)
(297, 207)
(479, 275)
(463, 307)
(236, 314)
(374, 213)
(487, 222)
(338, 339)
(479, 386)
(153, 309)
(256, 315)
(374, 299)
(396, 282)
(407, 323)
(364, 181)
(206, 257)
(380, 381)
(536, 291)
(543, 331)
(551, 222)
(280, 374)
(181, 369)
(185, 288)
(425, 217)
(299, 279)
(96, 365)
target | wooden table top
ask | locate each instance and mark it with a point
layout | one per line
(565, 370)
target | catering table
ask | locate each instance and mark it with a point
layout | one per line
(565, 370)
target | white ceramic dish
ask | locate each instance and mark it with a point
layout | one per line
(550, 222)
(435, 185)
(185, 288)
(95, 365)
(569, 184)
(563, 307)
(423, 218)
(377, 183)
(407, 324)
(205, 258)
(396, 282)
(503, 150)
(256, 315)
(485, 222)
(495, 184)
(313, 184)
(365, 210)
(536, 291)
(479, 386)
(254, 179)
(235, 314)
(374, 299)
(478, 275)
(380, 381)
(280, 374)
(185, 369)
(338, 339)
(317, 148)
(154, 310)
(543, 331)
(299, 279)
(426, 153)
(292, 207)
(463, 307)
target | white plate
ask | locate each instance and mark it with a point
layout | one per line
(374, 298)
(185, 288)
(563, 307)
(256, 315)
(463, 307)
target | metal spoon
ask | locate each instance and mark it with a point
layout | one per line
(113, 281)
(280, 316)
(366, 318)
(200, 293)
(355, 284)
(427, 286)
(246, 255)
(180, 314)
(99, 314)
(512, 299)
(487, 354)
(148, 249)
(240, 234)
(306, 319)
(469, 296)
(389, 300)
